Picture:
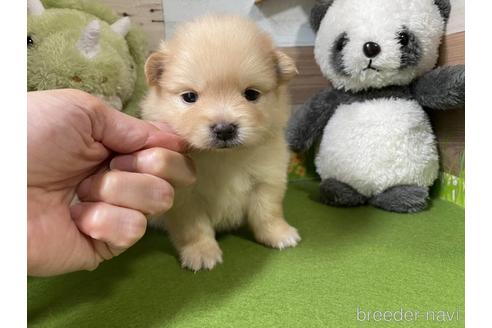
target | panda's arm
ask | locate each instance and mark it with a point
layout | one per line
(441, 88)
(308, 122)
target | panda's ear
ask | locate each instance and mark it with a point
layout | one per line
(444, 7)
(318, 12)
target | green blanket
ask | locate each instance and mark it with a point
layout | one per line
(349, 262)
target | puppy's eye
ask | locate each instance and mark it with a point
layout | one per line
(30, 41)
(189, 97)
(251, 94)
(403, 38)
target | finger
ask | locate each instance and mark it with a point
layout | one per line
(171, 166)
(113, 229)
(121, 132)
(125, 134)
(166, 136)
(142, 192)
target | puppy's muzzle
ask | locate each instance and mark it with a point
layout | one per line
(224, 131)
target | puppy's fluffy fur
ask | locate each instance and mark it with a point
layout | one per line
(241, 177)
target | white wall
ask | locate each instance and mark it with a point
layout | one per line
(285, 20)
(457, 20)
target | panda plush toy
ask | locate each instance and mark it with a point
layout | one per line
(377, 144)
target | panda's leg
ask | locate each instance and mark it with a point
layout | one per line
(336, 193)
(402, 199)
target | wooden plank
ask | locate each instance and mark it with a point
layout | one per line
(146, 13)
(310, 79)
(449, 127)
(452, 50)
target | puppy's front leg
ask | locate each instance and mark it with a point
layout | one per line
(194, 238)
(266, 218)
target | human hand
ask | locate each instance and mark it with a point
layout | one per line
(73, 139)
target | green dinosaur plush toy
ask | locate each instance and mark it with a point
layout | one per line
(82, 44)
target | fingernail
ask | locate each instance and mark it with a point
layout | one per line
(124, 163)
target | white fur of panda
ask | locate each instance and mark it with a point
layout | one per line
(378, 144)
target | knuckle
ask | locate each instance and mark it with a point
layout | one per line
(140, 228)
(137, 231)
(134, 231)
(108, 184)
(122, 244)
(166, 196)
(97, 221)
(93, 264)
(159, 160)
(91, 102)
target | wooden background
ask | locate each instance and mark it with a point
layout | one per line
(449, 126)
(145, 13)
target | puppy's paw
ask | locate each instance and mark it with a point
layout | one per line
(280, 236)
(204, 254)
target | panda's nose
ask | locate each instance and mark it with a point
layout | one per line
(371, 49)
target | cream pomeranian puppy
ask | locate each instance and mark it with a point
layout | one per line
(221, 84)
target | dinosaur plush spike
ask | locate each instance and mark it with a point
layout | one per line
(121, 26)
(88, 43)
(35, 7)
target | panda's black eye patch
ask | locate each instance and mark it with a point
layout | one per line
(30, 41)
(336, 58)
(403, 38)
(341, 42)
(411, 50)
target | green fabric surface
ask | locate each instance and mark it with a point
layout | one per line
(348, 258)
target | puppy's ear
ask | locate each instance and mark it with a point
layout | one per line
(154, 67)
(286, 67)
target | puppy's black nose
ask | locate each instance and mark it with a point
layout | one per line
(224, 131)
(371, 49)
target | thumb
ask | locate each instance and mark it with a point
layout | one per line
(125, 134)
